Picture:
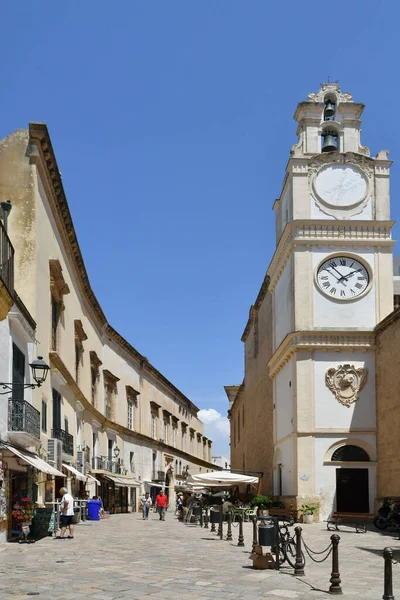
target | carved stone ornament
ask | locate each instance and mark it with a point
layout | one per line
(349, 158)
(330, 86)
(345, 382)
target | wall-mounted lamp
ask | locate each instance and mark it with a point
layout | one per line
(39, 370)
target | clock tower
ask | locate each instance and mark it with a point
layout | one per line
(331, 284)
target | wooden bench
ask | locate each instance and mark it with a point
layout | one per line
(358, 519)
(284, 514)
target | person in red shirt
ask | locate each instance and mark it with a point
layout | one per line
(161, 504)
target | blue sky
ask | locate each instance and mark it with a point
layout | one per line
(172, 124)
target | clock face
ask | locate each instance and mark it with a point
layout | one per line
(343, 278)
(341, 185)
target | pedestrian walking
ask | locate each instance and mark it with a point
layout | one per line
(161, 504)
(179, 506)
(146, 504)
(67, 514)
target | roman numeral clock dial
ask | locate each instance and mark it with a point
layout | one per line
(343, 278)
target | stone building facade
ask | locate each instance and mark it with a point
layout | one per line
(251, 403)
(388, 405)
(329, 284)
(105, 411)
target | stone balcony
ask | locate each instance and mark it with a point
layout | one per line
(67, 441)
(23, 423)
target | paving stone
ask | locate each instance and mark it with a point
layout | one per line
(126, 558)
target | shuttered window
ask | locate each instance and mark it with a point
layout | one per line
(18, 377)
(56, 409)
(44, 416)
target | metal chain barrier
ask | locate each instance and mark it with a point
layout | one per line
(311, 552)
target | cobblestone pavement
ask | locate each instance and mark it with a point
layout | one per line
(126, 557)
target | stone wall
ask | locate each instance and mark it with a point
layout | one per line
(388, 405)
(253, 406)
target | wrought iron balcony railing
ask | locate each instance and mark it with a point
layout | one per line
(104, 464)
(98, 462)
(6, 260)
(111, 466)
(22, 416)
(158, 476)
(66, 438)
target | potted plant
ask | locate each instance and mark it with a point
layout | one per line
(262, 503)
(308, 510)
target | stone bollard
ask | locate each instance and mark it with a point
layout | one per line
(206, 519)
(388, 580)
(219, 530)
(212, 521)
(241, 538)
(335, 575)
(229, 532)
(299, 564)
(255, 536)
(221, 518)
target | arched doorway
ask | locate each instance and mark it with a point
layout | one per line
(352, 483)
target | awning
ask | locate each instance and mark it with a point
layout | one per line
(121, 482)
(151, 483)
(219, 479)
(75, 472)
(94, 479)
(35, 461)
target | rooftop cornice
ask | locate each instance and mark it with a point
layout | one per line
(236, 398)
(45, 159)
(319, 340)
(98, 418)
(147, 366)
(255, 307)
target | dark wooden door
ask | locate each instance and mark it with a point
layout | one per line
(352, 493)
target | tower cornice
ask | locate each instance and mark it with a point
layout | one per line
(332, 339)
(323, 233)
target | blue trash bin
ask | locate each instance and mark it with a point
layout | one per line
(94, 509)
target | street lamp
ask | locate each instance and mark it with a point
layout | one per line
(39, 369)
(116, 451)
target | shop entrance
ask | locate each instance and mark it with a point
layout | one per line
(133, 499)
(21, 504)
(352, 494)
(121, 499)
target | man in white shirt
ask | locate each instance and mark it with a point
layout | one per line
(67, 514)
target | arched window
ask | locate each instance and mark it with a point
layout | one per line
(350, 453)
(329, 109)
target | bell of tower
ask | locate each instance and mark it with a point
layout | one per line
(330, 175)
(328, 121)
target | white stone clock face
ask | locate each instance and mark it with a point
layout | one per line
(343, 278)
(341, 185)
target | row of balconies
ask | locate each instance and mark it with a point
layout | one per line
(24, 429)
